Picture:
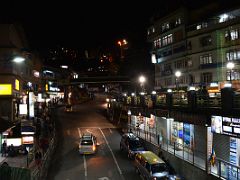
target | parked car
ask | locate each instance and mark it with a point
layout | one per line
(88, 144)
(68, 108)
(131, 144)
(150, 166)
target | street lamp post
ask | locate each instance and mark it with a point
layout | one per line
(177, 74)
(230, 66)
(122, 43)
(129, 120)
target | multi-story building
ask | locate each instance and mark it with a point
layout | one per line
(16, 78)
(200, 50)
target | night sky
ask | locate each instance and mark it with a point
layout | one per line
(83, 24)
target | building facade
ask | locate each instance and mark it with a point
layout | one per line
(16, 78)
(199, 50)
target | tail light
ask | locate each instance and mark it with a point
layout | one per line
(93, 147)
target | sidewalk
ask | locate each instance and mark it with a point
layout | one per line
(17, 161)
(2, 159)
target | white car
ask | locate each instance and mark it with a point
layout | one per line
(88, 144)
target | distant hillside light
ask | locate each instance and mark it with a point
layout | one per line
(18, 59)
(119, 42)
(124, 41)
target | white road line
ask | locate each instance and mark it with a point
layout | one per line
(110, 130)
(84, 158)
(89, 131)
(79, 133)
(114, 158)
(85, 166)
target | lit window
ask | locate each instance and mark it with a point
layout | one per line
(178, 21)
(234, 34)
(170, 39)
(206, 59)
(199, 26)
(153, 29)
(233, 55)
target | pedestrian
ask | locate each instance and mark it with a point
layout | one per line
(38, 158)
(4, 148)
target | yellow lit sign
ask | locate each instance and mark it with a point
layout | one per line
(17, 84)
(46, 87)
(5, 89)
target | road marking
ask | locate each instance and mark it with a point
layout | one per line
(85, 166)
(79, 133)
(110, 130)
(89, 131)
(103, 178)
(114, 158)
(84, 158)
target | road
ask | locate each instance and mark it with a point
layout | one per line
(107, 164)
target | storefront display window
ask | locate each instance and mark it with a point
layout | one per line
(177, 133)
(182, 134)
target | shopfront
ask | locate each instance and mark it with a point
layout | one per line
(226, 142)
(182, 134)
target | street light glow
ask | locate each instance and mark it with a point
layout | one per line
(154, 92)
(18, 59)
(178, 73)
(142, 79)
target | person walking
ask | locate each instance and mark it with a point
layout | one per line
(4, 148)
(38, 158)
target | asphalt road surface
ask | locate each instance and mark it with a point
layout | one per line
(109, 163)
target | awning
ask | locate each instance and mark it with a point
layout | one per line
(27, 130)
(14, 131)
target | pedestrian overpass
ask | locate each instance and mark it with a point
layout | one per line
(98, 80)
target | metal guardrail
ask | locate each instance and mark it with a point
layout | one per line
(191, 155)
(225, 170)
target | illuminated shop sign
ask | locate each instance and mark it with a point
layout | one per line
(31, 104)
(17, 84)
(5, 89)
(23, 109)
(225, 125)
(27, 139)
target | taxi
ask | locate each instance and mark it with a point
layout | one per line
(150, 166)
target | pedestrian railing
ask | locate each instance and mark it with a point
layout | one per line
(225, 170)
(184, 152)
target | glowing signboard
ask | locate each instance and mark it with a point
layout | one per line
(17, 84)
(5, 89)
